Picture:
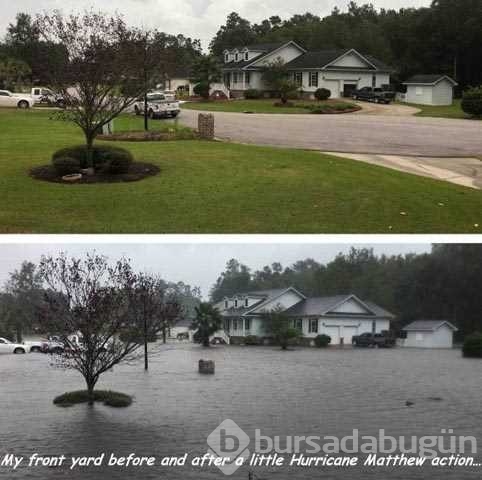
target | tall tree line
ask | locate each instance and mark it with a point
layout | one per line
(444, 38)
(444, 284)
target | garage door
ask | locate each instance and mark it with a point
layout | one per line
(348, 333)
(334, 333)
(333, 86)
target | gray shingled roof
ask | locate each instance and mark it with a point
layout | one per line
(323, 58)
(427, 79)
(427, 325)
(320, 305)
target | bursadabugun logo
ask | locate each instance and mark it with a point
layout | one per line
(229, 442)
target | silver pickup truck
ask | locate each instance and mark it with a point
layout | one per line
(159, 105)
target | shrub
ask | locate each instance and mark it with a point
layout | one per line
(202, 89)
(252, 340)
(252, 94)
(66, 165)
(473, 346)
(322, 94)
(107, 397)
(322, 340)
(472, 101)
(109, 159)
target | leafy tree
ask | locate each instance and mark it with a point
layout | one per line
(472, 101)
(236, 32)
(206, 70)
(22, 298)
(207, 322)
(101, 76)
(13, 72)
(281, 327)
(276, 76)
(235, 278)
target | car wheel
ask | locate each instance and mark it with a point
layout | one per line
(23, 104)
(151, 114)
(35, 349)
(19, 350)
(136, 110)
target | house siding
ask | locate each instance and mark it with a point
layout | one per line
(440, 338)
(421, 94)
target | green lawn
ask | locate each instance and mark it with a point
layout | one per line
(255, 106)
(211, 187)
(449, 111)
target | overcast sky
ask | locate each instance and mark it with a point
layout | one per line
(195, 264)
(195, 18)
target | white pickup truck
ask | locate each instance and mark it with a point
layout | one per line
(159, 105)
(46, 96)
(12, 100)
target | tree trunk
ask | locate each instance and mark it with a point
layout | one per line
(146, 116)
(18, 331)
(89, 140)
(90, 389)
(206, 342)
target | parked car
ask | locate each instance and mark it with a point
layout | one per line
(36, 346)
(159, 105)
(376, 95)
(374, 340)
(45, 96)
(6, 346)
(19, 100)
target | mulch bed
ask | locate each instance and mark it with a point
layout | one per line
(137, 171)
(142, 136)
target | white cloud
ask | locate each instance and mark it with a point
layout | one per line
(195, 18)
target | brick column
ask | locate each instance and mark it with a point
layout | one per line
(206, 125)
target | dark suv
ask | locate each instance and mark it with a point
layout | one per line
(376, 95)
(374, 340)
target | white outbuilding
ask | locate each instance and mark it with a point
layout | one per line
(434, 90)
(428, 334)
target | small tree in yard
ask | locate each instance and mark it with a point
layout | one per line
(207, 322)
(277, 77)
(280, 326)
(205, 71)
(100, 75)
(94, 300)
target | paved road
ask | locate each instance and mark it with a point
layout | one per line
(377, 134)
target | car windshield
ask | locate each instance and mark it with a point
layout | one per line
(156, 97)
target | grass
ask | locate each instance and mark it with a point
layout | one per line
(107, 397)
(262, 106)
(212, 187)
(446, 111)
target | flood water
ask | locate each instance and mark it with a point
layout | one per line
(299, 392)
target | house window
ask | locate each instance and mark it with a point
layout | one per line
(247, 324)
(225, 304)
(246, 302)
(313, 325)
(419, 91)
(236, 57)
(298, 324)
(226, 324)
(247, 77)
(236, 303)
(298, 78)
(226, 58)
(313, 79)
(246, 56)
(374, 81)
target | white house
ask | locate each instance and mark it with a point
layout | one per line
(429, 334)
(430, 90)
(341, 316)
(340, 71)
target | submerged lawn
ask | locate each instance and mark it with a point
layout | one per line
(209, 187)
(257, 106)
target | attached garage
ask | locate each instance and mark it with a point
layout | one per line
(437, 90)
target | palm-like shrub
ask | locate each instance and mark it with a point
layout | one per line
(473, 346)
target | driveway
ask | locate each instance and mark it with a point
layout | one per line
(354, 133)
(393, 109)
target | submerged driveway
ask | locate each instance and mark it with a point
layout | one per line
(374, 134)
